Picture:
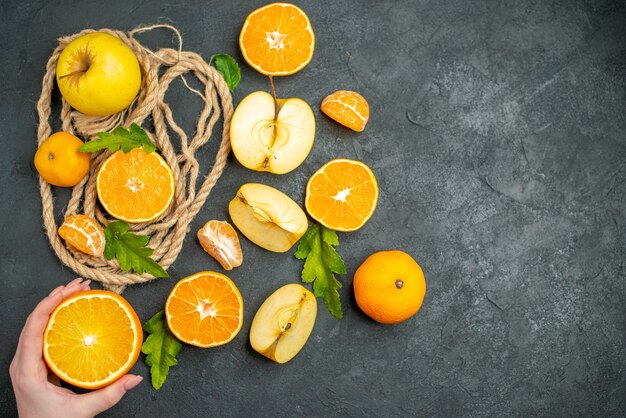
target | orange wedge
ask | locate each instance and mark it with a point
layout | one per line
(348, 108)
(83, 233)
(135, 186)
(342, 195)
(277, 39)
(220, 240)
(205, 309)
(92, 339)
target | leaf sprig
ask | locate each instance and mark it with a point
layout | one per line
(161, 348)
(321, 265)
(126, 139)
(130, 250)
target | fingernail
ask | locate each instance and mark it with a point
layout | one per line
(56, 290)
(86, 283)
(75, 281)
(131, 383)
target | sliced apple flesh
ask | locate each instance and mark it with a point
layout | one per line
(267, 217)
(283, 323)
(272, 136)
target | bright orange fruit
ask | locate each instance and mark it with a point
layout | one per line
(220, 240)
(84, 234)
(135, 186)
(92, 339)
(59, 162)
(389, 286)
(205, 309)
(277, 39)
(348, 108)
(342, 195)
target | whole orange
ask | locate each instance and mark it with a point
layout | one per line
(59, 162)
(389, 286)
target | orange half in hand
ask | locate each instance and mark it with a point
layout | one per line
(92, 339)
(205, 310)
(342, 195)
(277, 39)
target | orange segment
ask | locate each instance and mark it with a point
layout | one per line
(220, 240)
(348, 108)
(135, 186)
(342, 195)
(84, 234)
(277, 39)
(205, 310)
(92, 339)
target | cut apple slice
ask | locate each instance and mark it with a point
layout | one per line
(220, 240)
(263, 141)
(283, 323)
(267, 217)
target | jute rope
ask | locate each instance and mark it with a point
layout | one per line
(167, 232)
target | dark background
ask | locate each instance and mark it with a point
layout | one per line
(498, 136)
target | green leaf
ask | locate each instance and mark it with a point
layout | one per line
(321, 264)
(130, 250)
(161, 348)
(229, 68)
(126, 139)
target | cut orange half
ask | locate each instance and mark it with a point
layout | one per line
(135, 186)
(92, 339)
(342, 195)
(277, 39)
(83, 233)
(205, 309)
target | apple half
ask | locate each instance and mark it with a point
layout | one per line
(283, 323)
(267, 217)
(263, 140)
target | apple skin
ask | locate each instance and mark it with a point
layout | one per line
(262, 141)
(98, 74)
(267, 217)
(283, 323)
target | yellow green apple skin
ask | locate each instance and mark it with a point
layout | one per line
(98, 74)
(263, 140)
(283, 323)
(267, 217)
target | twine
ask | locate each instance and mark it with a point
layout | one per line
(167, 232)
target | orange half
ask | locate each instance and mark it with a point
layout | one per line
(277, 39)
(135, 186)
(342, 195)
(205, 309)
(92, 339)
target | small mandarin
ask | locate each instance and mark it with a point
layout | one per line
(59, 162)
(389, 286)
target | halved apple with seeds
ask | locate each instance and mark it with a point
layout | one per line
(274, 136)
(283, 323)
(267, 217)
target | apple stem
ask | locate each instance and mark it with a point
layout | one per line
(275, 100)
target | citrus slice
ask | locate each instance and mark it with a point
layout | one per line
(135, 186)
(83, 233)
(220, 240)
(342, 195)
(348, 108)
(277, 39)
(92, 339)
(205, 309)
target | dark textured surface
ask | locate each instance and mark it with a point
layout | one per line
(498, 136)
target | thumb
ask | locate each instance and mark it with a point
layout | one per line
(100, 400)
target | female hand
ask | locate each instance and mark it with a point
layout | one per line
(37, 391)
